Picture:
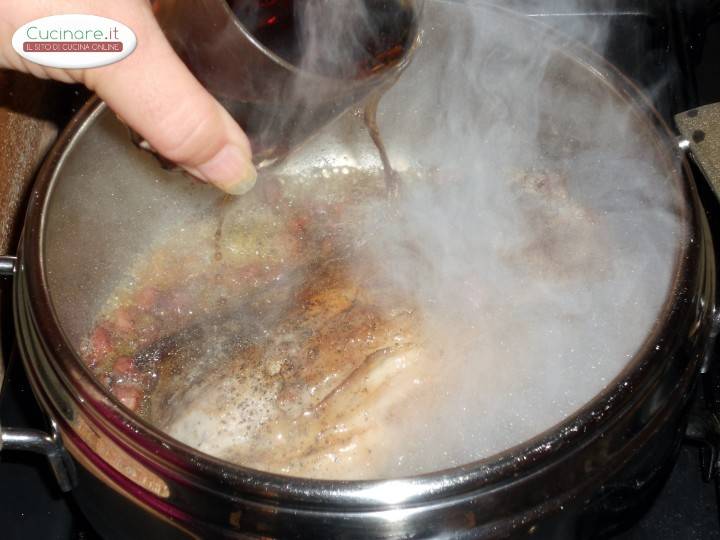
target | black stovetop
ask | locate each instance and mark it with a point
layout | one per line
(672, 50)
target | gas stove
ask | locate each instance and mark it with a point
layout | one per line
(670, 50)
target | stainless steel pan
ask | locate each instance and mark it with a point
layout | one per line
(97, 203)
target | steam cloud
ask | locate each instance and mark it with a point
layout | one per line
(550, 248)
(541, 253)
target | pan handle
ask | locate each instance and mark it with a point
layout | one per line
(700, 137)
(32, 440)
(700, 134)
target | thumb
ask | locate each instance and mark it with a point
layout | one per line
(157, 96)
(151, 90)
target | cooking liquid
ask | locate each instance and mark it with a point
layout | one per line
(392, 178)
(350, 41)
(222, 364)
(388, 34)
(384, 33)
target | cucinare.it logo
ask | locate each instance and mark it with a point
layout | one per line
(74, 41)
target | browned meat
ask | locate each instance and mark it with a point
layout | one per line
(566, 242)
(337, 358)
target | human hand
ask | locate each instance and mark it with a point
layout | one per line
(151, 90)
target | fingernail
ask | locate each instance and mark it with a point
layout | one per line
(231, 170)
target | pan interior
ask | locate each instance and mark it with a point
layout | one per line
(333, 332)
